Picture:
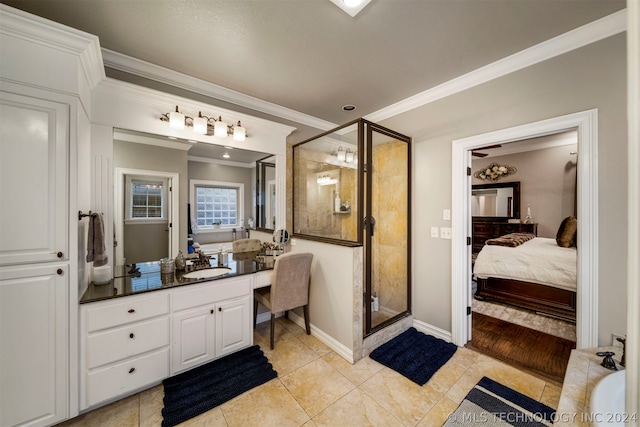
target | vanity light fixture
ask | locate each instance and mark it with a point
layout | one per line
(202, 125)
(341, 154)
(348, 156)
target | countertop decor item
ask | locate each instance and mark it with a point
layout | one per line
(494, 172)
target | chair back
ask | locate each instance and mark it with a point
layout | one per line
(290, 281)
(246, 245)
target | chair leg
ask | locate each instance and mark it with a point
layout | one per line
(305, 310)
(273, 329)
(255, 313)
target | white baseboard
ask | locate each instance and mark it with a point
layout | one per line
(323, 337)
(432, 330)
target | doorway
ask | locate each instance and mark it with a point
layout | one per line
(160, 236)
(586, 124)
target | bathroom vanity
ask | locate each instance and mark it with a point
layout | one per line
(146, 326)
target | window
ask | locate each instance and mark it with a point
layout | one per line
(216, 203)
(146, 199)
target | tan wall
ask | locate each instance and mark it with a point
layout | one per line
(590, 77)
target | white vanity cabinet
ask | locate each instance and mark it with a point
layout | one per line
(125, 345)
(132, 342)
(210, 320)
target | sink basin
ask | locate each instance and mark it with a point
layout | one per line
(207, 273)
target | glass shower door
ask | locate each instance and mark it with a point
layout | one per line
(386, 224)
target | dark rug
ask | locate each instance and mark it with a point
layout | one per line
(491, 403)
(534, 351)
(194, 392)
(415, 355)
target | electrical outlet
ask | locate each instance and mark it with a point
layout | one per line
(434, 232)
(446, 214)
(614, 340)
(445, 232)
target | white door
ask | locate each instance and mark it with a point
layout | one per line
(233, 326)
(33, 344)
(33, 180)
(193, 338)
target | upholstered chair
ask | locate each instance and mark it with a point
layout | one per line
(246, 245)
(289, 288)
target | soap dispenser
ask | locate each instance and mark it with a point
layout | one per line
(180, 261)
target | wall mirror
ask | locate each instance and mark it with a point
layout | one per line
(499, 200)
(152, 220)
(266, 194)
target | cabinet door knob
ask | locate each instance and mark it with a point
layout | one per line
(219, 308)
(131, 310)
(60, 254)
(131, 335)
(60, 272)
(212, 311)
(132, 370)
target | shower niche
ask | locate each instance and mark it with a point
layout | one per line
(351, 187)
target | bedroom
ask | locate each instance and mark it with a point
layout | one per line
(534, 191)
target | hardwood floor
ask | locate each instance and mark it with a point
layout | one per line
(527, 349)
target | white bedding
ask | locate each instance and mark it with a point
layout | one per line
(539, 260)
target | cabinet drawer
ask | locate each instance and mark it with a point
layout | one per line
(127, 376)
(117, 344)
(131, 309)
(211, 292)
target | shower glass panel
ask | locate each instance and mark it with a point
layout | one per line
(325, 187)
(351, 187)
(387, 242)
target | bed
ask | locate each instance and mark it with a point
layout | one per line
(537, 274)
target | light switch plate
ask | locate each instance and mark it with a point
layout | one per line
(446, 214)
(445, 232)
(434, 232)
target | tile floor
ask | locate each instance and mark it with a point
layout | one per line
(530, 319)
(316, 387)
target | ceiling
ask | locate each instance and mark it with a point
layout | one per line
(310, 56)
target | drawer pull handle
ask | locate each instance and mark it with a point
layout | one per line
(131, 335)
(131, 310)
(132, 370)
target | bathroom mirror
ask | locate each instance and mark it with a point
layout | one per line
(159, 158)
(499, 200)
(266, 194)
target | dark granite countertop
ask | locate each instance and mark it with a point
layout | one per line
(135, 279)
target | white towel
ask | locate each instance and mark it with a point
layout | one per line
(96, 251)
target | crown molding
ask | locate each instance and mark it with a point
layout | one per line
(221, 162)
(32, 28)
(144, 69)
(590, 33)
